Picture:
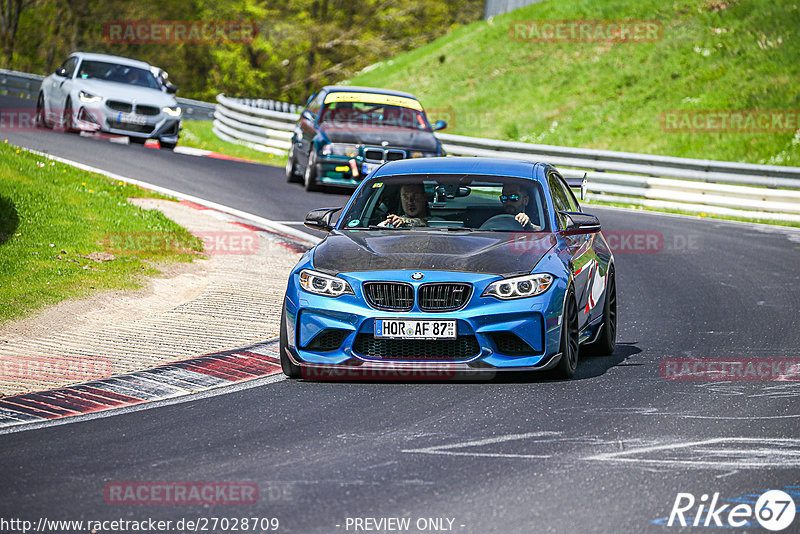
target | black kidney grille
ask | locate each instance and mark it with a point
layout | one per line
(461, 348)
(443, 296)
(116, 105)
(373, 154)
(394, 296)
(394, 155)
(147, 110)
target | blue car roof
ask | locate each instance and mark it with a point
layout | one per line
(461, 165)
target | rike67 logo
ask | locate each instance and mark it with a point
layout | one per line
(774, 510)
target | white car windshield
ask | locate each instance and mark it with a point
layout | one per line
(112, 72)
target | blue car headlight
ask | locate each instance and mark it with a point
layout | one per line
(519, 287)
(324, 284)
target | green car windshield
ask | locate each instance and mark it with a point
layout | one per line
(448, 202)
(359, 114)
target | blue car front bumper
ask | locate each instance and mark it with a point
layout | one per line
(492, 334)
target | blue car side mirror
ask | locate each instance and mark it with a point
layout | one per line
(320, 219)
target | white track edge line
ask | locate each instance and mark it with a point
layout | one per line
(267, 223)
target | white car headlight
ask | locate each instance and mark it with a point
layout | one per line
(89, 98)
(519, 287)
(174, 111)
(324, 284)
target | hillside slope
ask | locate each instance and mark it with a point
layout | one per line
(709, 55)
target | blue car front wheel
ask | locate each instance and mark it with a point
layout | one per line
(569, 338)
(289, 368)
(607, 338)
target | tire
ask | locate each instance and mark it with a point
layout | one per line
(41, 118)
(310, 176)
(289, 369)
(607, 339)
(136, 140)
(569, 339)
(291, 168)
(68, 117)
(167, 146)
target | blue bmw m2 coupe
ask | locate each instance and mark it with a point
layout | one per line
(466, 265)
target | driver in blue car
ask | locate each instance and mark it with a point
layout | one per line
(415, 208)
(515, 201)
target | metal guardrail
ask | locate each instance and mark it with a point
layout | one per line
(719, 187)
(694, 185)
(25, 85)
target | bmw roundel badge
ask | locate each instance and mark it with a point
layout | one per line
(417, 276)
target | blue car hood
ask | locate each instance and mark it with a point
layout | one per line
(501, 253)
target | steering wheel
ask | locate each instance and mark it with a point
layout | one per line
(504, 221)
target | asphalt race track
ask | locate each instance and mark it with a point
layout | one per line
(608, 451)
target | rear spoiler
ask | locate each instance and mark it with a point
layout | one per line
(578, 183)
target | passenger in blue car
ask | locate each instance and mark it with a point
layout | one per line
(415, 208)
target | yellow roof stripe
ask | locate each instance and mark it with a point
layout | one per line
(373, 98)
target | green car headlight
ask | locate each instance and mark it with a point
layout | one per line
(340, 149)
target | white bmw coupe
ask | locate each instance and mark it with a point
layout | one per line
(97, 92)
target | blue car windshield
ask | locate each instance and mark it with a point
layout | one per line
(359, 114)
(112, 72)
(452, 202)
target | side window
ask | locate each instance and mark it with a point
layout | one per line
(573, 204)
(316, 104)
(69, 66)
(560, 200)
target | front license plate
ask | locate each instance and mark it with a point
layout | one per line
(131, 118)
(367, 168)
(410, 329)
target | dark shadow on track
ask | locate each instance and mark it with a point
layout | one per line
(588, 367)
(9, 220)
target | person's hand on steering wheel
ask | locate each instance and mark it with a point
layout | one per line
(523, 219)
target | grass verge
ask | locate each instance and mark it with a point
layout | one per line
(65, 232)
(199, 134)
(710, 55)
